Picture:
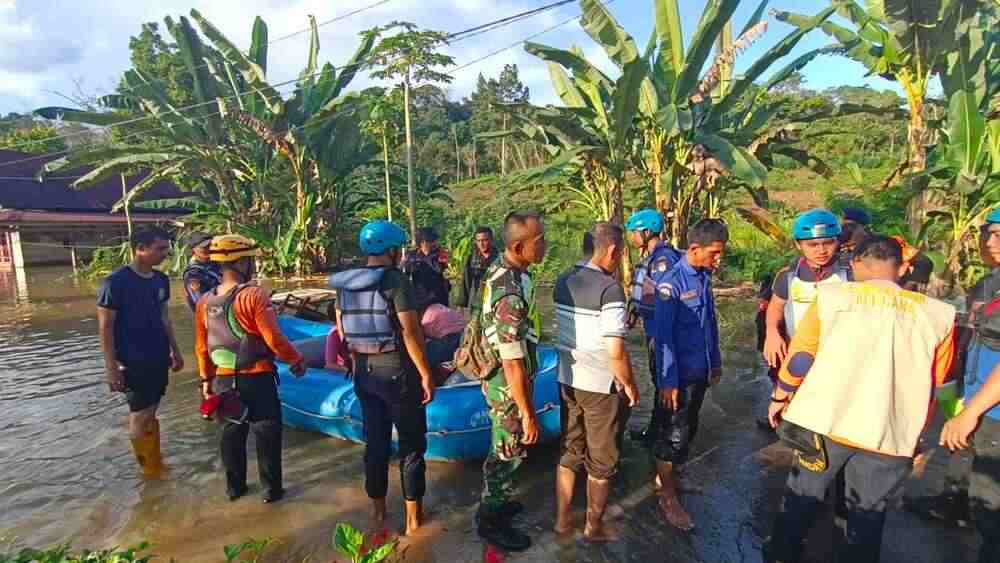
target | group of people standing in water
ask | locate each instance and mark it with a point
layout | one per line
(858, 354)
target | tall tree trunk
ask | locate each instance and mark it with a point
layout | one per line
(475, 158)
(410, 189)
(385, 163)
(458, 154)
(503, 149)
(128, 218)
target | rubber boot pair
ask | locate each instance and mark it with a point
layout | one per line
(496, 527)
(147, 451)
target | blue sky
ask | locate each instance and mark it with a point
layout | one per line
(57, 46)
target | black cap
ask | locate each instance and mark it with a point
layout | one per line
(858, 215)
(197, 239)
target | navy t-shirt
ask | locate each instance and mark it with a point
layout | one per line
(140, 337)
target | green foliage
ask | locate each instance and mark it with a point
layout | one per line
(411, 55)
(36, 139)
(64, 554)
(348, 541)
(250, 551)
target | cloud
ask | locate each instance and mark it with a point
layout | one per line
(48, 45)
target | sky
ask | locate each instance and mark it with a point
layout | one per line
(54, 47)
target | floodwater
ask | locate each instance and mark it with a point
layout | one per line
(67, 473)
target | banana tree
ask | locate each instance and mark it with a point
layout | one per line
(383, 127)
(901, 40)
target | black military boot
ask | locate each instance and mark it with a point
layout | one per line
(495, 527)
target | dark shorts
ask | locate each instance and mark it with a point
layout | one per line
(145, 386)
(679, 426)
(592, 429)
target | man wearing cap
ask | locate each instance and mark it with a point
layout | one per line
(201, 275)
(854, 228)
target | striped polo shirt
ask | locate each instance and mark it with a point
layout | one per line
(590, 305)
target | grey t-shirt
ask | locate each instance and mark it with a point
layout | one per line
(590, 306)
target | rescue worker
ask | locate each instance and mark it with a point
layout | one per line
(428, 262)
(979, 412)
(854, 402)
(688, 357)
(645, 228)
(201, 275)
(595, 379)
(479, 260)
(237, 339)
(512, 325)
(138, 341)
(378, 319)
(854, 228)
(795, 287)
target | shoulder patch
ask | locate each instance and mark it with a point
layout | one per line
(689, 294)
(662, 265)
(665, 290)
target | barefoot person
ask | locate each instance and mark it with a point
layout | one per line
(377, 317)
(595, 378)
(687, 354)
(138, 342)
(857, 388)
(511, 324)
(237, 338)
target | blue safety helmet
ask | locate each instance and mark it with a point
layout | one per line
(645, 219)
(993, 216)
(377, 237)
(816, 224)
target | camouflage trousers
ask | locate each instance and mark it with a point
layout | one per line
(507, 452)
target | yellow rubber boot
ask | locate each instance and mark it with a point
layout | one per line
(147, 451)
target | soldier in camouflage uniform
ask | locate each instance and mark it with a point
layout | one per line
(511, 324)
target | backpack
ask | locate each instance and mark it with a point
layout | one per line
(475, 356)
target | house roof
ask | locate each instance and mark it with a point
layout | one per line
(20, 190)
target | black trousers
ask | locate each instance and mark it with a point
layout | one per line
(871, 479)
(259, 392)
(984, 489)
(679, 426)
(390, 397)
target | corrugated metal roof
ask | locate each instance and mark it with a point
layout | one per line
(54, 194)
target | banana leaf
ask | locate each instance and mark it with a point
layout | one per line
(855, 46)
(122, 164)
(581, 68)
(564, 87)
(737, 161)
(966, 133)
(923, 29)
(869, 21)
(251, 71)
(762, 221)
(353, 66)
(806, 159)
(764, 62)
(626, 101)
(756, 18)
(715, 16)
(598, 22)
(153, 178)
(155, 102)
(205, 86)
(192, 203)
(798, 64)
(670, 58)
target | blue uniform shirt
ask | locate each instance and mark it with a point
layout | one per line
(654, 265)
(686, 326)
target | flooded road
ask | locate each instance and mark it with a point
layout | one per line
(67, 471)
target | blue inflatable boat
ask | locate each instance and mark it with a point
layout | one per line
(457, 425)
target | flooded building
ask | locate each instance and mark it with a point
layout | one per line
(47, 222)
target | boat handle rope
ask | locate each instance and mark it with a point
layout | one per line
(443, 432)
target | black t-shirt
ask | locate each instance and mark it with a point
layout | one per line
(140, 337)
(985, 291)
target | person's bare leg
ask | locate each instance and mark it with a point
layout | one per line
(595, 529)
(670, 504)
(378, 516)
(414, 515)
(565, 482)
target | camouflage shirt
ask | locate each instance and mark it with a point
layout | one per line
(510, 318)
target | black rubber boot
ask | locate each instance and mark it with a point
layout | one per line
(496, 529)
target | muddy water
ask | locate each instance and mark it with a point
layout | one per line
(67, 472)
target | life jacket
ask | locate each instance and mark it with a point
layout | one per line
(229, 344)
(643, 289)
(984, 352)
(802, 294)
(499, 283)
(365, 314)
(873, 376)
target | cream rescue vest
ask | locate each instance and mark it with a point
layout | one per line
(802, 294)
(872, 381)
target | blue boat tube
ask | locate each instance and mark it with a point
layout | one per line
(458, 427)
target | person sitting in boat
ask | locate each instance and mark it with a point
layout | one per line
(443, 331)
(378, 320)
